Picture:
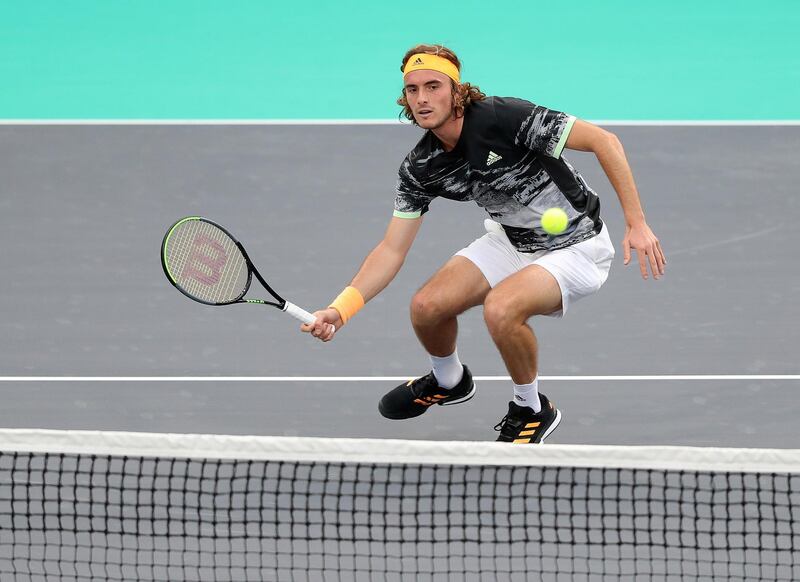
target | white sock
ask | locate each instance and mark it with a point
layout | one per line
(447, 370)
(528, 395)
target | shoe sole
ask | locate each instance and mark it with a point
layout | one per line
(468, 396)
(552, 427)
(399, 416)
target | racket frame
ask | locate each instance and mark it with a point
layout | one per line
(280, 302)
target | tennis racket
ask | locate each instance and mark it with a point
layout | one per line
(206, 263)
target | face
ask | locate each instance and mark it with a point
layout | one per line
(430, 97)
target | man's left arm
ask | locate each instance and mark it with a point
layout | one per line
(606, 146)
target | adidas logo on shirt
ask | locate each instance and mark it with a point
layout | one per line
(493, 157)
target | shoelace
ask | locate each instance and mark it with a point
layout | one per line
(416, 386)
(501, 425)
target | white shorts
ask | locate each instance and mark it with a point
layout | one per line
(580, 270)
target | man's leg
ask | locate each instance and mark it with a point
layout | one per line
(455, 288)
(531, 291)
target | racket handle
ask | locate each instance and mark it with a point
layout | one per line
(299, 313)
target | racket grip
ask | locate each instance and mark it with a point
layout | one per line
(299, 313)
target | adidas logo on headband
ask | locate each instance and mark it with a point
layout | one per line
(418, 61)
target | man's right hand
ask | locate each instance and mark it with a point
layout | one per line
(377, 270)
(327, 324)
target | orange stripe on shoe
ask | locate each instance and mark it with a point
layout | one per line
(532, 424)
(521, 441)
(423, 402)
(526, 433)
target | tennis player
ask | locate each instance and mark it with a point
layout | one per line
(506, 155)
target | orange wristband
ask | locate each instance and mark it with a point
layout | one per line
(348, 303)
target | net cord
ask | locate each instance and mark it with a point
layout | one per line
(399, 451)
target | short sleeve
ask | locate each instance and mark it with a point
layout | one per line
(538, 128)
(411, 200)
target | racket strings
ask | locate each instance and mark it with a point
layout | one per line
(178, 252)
(231, 288)
(189, 283)
(206, 263)
(226, 280)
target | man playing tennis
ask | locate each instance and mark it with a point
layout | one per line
(505, 154)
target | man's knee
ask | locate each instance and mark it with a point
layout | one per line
(502, 313)
(428, 307)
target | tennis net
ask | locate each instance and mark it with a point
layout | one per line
(85, 506)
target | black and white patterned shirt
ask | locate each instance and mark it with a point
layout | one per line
(508, 160)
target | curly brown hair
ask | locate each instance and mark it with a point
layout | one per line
(463, 93)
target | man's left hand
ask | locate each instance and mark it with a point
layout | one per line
(641, 239)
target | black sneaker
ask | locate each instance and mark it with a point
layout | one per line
(523, 425)
(416, 396)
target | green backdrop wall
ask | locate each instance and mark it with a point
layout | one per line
(201, 59)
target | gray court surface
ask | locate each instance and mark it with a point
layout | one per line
(83, 210)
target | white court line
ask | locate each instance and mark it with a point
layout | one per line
(201, 122)
(676, 377)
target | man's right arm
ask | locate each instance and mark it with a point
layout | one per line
(377, 271)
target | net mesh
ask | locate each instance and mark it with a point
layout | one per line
(98, 516)
(205, 262)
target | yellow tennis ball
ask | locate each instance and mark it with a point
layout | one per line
(554, 221)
